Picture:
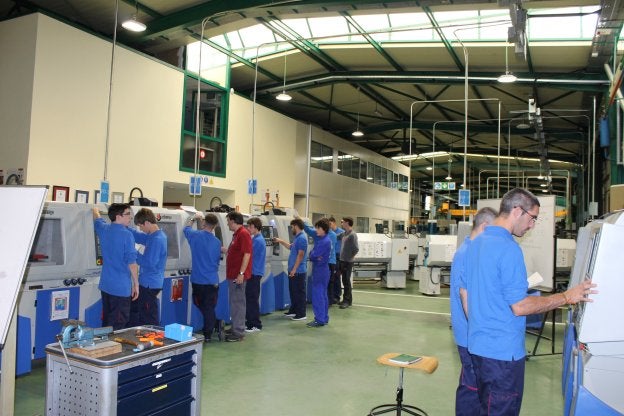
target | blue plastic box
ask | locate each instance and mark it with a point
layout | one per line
(179, 332)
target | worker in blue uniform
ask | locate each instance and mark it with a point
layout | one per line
(466, 395)
(252, 288)
(496, 300)
(119, 282)
(206, 255)
(333, 289)
(311, 231)
(320, 256)
(152, 261)
(297, 270)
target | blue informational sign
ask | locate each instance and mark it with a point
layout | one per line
(195, 185)
(464, 197)
(104, 191)
(252, 186)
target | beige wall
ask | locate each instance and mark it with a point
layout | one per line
(17, 62)
(68, 132)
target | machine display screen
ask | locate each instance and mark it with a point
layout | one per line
(48, 247)
(171, 231)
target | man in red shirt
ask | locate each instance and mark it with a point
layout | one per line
(237, 272)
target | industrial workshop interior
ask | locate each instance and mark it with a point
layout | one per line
(383, 127)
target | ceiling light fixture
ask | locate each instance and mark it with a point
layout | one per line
(449, 177)
(133, 24)
(358, 132)
(283, 96)
(507, 77)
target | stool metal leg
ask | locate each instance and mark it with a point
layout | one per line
(399, 407)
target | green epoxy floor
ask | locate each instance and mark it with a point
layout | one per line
(289, 369)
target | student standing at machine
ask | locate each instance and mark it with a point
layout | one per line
(237, 272)
(312, 232)
(297, 270)
(347, 255)
(206, 255)
(319, 256)
(466, 395)
(119, 282)
(497, 304)
(252, 288)
(152, 261)
(333, 289)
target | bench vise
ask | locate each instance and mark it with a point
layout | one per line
(77, 334)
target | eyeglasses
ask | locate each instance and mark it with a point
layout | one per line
(533, 217)
(127, 214)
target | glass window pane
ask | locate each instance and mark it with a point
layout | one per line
(316, 157)
(363, 170)
(210, 154)
(210, 107)
(256, 35)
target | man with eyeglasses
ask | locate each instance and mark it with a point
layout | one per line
(494, 297)
(119, 281)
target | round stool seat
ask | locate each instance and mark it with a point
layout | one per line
(426, 364)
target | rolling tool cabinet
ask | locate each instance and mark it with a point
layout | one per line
(161, 381)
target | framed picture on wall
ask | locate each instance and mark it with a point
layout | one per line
(117, 197)
(96, 196)
(82, 196)
(60, 193)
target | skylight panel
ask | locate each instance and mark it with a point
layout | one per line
(299, 25)
(322, 27)
(256, 35)
(578, 25)
(410, 27)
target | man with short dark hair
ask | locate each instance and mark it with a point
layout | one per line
(297, 270)
(347, 255)
(205, 255)
(119, 282)
(252, 288)
(152, 261)
(237, 272)
(495, 298)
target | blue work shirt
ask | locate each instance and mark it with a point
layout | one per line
(338, 231)
(154, 258)
(311, 231)
(458, 275)
(300, 242)
(496, 278)
(118, 252)
(206, 255)
(258, 255)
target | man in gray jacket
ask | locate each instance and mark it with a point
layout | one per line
(349, 248)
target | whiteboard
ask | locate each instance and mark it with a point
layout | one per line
(20, 210)
(538, 244)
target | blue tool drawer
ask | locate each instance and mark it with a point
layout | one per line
(157, 366)
(153, 380)
(149, 400)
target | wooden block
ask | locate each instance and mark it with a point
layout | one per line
(100, 349)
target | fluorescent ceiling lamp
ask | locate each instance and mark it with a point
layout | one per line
(357, 133)
(523, 126)
(507, 78)
(429, 168)
(449, 178)
(133, 25)
(283, 96)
